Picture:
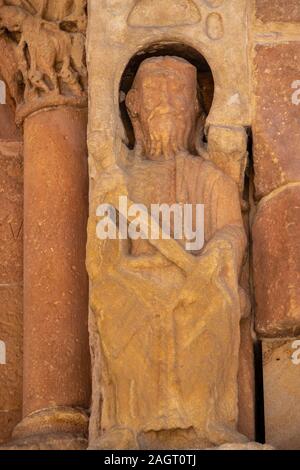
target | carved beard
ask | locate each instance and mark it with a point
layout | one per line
(166, 134)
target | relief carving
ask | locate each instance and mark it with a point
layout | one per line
(214, 26)
(168, 319)
(50, 54)
(214, 3)
(147, 13)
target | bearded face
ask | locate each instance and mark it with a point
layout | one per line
(163, 106)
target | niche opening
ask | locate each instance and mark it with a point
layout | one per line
(205, 78)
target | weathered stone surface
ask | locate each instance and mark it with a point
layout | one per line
(56, 351)
(246, 380)
(43, 64)
(134, 415)
(11, 275)
(56, 10)
(276, 119)
(59, 441)
(282, 393)
(122, 42)
(170, 13)
(147, 297)
(8, 128)
(11, 373)
(49, 56)
(11, 213)
(8, 420)
(227, 148)
(278, 10)
(8, 68)
(276, 263)
(248, 446)
(11, 333)
(69, 421)
(43, 50)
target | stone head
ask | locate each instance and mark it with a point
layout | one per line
(163, 107)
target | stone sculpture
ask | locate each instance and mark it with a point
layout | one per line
(50, 54)
(168, 320)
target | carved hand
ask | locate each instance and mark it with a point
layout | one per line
(220, 253)
(112, 185)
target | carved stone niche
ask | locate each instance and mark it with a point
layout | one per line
(47, 41)
(165, 334)
(119, 30)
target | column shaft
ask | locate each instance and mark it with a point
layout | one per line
(56, 352)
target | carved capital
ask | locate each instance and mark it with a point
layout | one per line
(47, 42)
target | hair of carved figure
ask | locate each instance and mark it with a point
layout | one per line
(143, 145)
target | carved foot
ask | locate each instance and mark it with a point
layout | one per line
(117, 439)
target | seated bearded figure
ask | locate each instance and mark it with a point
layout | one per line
(168, 319)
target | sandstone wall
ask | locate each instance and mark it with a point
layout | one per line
(11, 267)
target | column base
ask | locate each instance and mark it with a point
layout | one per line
(47, 442)
(58, 428)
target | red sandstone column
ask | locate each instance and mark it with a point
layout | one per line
(56, 352)
(52, 106)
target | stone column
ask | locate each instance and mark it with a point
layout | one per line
(53, 110)
(56, 356)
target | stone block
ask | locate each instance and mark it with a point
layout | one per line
(276, 131)
(11, 213)
(276, 263)
(281, 368)
(246, 381)
(11, 335)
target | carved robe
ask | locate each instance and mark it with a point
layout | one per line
(170, 339)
